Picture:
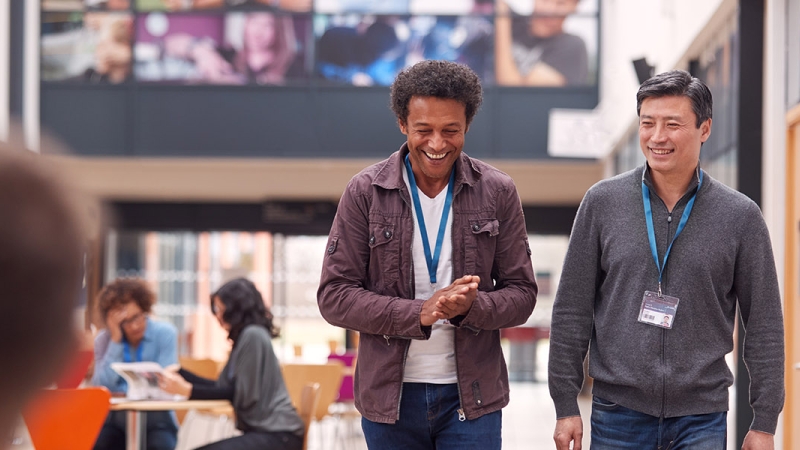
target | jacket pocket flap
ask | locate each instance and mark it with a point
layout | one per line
(380, 233)
(491, 226)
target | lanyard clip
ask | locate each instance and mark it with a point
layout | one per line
(659, 289)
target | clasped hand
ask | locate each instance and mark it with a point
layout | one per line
(452, 301)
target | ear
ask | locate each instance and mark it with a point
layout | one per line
(705, 130)
(402, 125)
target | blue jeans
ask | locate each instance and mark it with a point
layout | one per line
(429, 420)
(617, 427)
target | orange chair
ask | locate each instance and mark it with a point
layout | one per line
(67, 418)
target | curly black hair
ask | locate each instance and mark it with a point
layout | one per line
(122, 291)
(244, 306)
(441, 79)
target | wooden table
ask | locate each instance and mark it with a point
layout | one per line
(136, 420)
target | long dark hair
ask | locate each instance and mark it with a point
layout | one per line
(244, 306)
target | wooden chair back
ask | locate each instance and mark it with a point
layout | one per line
(309, 398)
(329, 377)
(206, 368)
(67, 418)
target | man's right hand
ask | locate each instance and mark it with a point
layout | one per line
(431, 313)
(114, 323)
(569, 430)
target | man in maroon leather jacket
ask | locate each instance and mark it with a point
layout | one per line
(369, 282)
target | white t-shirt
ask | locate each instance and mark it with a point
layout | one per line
(432, 360)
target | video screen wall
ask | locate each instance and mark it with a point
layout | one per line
(537, 43)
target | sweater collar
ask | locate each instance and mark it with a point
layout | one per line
(647, 179)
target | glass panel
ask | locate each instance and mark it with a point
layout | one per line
(184, 268)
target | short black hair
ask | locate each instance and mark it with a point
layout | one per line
(244, 306)
(678, 83)
(441, 79)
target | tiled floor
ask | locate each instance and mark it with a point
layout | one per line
(528, 423)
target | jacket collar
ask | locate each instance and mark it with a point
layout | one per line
(390, 174)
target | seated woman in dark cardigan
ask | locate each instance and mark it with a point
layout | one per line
(251, 379)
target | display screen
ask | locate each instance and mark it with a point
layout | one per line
(528, 43)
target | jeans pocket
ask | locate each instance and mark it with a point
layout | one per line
(603, 404)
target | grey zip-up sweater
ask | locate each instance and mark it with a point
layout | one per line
(722, 257)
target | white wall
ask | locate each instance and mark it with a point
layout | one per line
(661, 31)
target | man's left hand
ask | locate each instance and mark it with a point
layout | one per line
(459, 304)
(758, 440)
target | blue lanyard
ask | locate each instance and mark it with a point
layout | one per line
(651, 234)
(431, 260)
(126, 350)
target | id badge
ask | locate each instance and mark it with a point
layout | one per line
(658, 310)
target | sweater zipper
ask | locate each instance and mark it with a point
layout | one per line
(664, 342)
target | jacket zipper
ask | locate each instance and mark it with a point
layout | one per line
(461, 416)
(403, 369)
(408, 344)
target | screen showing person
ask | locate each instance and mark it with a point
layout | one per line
(80, 5)
(177, 5)
(451, 7)
(463, 39)
(371, 51)
(237, 48)
(361, 6)
(361, 50)
(546, 42)
(91, 47)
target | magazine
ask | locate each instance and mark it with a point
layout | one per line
(142, 381)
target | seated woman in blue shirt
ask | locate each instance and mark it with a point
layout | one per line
(131, 336)
(251, 379)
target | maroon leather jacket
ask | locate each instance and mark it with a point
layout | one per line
(367, 281)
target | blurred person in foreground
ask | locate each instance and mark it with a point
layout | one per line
(43, 235)
(251, 379)
(666, 241)
(132, 336)
(536, 51)
(428, 258)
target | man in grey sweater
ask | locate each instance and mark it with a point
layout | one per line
(658, 260)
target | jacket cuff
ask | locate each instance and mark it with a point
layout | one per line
(473, 318)
(566, 407)
(405, 320)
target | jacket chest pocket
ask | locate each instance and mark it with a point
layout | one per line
(384, 254)
(480, 240)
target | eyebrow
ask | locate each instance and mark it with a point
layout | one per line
(426, 124)
(646, 116)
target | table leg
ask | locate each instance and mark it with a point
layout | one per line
(135, 427)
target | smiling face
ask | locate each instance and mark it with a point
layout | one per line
(435, 129)
(669, 137)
